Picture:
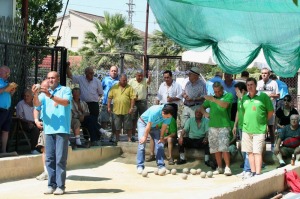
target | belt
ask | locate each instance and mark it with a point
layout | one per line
(3, 109)
(192, 105)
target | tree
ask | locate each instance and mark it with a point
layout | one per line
(162, 45)
(111, 36)
(41, 19)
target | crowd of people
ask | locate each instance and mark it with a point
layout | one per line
(213, 116)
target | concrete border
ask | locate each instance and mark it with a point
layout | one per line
(28, 166)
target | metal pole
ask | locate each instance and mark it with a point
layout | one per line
(25, 18)
(146, 42)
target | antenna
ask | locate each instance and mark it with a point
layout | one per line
(130, 10)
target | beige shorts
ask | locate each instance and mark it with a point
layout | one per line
(253, 143)
(218, 139)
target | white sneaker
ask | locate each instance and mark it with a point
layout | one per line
(247, 175)
(227, 171)
(102, 131)
(218, 171)
(140, 170)
(42, 176)
(241, 175)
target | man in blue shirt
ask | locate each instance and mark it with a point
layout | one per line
(6, 91)
(56, 109)
(147, 124)
(107, 83)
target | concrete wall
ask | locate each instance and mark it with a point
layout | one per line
(29, 166)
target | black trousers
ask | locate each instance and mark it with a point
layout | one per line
(194, 143)
(93, 108)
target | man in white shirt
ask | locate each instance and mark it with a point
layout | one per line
(90, 87)
(270, 87)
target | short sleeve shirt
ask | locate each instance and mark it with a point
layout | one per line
(140, 88)
(283, 119)
(154, 115)
(256, 113)
(107, 83)
(271, 87)
(287, 132)
(195, 90)
(219, 116)
(195, 131)
(5, 97)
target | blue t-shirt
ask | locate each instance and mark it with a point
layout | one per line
(154, 115)
(209, 84)
(283, 88)
(107, 83)
(56, 118)
(5, 97)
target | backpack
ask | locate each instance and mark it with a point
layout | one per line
(292, 181)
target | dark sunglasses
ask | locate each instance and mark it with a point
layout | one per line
(287, 100)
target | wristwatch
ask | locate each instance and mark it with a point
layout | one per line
(51, 96)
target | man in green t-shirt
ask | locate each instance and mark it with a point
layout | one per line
(258, 108)
(169, 138)
(219, 125)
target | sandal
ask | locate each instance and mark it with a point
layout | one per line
(151, 158)
(171, 161)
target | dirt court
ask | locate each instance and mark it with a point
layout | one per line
(117, 178)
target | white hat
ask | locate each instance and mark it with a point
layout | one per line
(195, 70)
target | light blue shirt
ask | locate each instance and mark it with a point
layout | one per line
(283, 88)
(56, 118)
(230, 89)
(5, 97)
(209, 84)
(107, 83)
(154, 115)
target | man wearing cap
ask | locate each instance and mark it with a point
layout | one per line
(139, 85)
(192, 94)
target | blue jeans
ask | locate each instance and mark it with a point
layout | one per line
(245, 155)
(159, 147)
(56, 159)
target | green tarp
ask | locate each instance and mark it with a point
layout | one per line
(236, 30)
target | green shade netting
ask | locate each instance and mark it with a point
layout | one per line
(236, 30)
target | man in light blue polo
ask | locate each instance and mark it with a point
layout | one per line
(56, 102)
(147, 124)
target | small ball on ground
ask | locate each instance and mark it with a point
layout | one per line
(162, 171)
(202, 174)
(168, 171)
(198, 171)
(173, 171)
(156, 171)
(185, 170)
(209, 174)
(193, 171)
(145, 173)
(184, 176)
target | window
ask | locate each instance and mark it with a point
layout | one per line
(74, 42)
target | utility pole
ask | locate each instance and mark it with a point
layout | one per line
(130, 11)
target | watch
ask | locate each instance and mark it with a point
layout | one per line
(51, 96)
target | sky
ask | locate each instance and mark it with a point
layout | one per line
(98, 7)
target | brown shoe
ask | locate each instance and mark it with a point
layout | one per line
(151, 158)
(171, 161)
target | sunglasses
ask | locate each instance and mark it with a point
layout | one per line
(287, 100)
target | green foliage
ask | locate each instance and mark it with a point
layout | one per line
(162, 45)
(112, 36)
(253, 70)
(41, 19)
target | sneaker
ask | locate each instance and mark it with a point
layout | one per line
(247, 175)
(50, 190)
(218, 171)
(281, 165)
(151, 158)
(42, 176)
(133, 139)
(35, 152)
(102, 131)
(180, 161)
(59, 191)
(227, 171)
(140, 170)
